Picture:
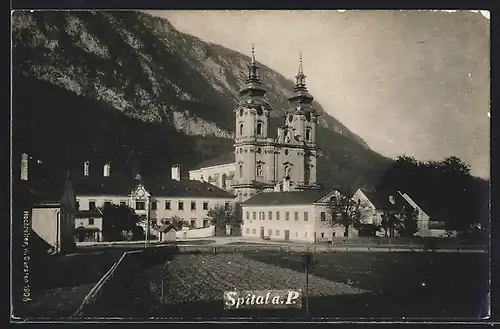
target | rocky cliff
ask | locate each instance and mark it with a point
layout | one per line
(90, 74)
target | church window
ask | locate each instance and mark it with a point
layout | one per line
(286, 152)
(259, 150)
(241, 128)
(290, 118)
(308, 134)
(259, 128)
(241, 112)
(259, 170)
(259, 111)
(241, 170)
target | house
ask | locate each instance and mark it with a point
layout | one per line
(166, 233)
(50, 208)
(300, 216)
(261, 158)
(427, 226)
(152, 198)
(378, 203)
(88, 225)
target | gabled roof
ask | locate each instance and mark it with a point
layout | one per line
(380, 200)
(156, 186)
(285, 198)
(167, 228)
(225, 158)
(38, 191)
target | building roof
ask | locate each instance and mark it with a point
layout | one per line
(381, 200)
(225, 158)
(166, 228)
(286, 198)
(156, 186)
(38, 191)
(93, 213)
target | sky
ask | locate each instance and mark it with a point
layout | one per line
(408, 82)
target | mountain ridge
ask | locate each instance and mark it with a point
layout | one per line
(141, 66)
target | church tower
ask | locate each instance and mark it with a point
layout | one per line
(253, 144)
(299, 133)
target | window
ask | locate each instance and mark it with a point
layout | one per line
(205, 223)
(322, 235)
(205, 205)
(262, 215)
(254, 231)
(277, 215)
(180, 205)
(193, 205)
(296, 214)
(270, 215)
(77, 205)
(241, 128)
(254, 215)
(277, 232)
(259, 128)
(123, 203)
(226, 205)
(241, 171)
(270, 232)
(308, 134)
(91, 205)
(287, 215)
(140, 205)
(107, 203)
(323, 216)
(306, 215)
(305, 234)
(247, 231)
(248, 215)
(91, 221)
(167, 205)
(154, 205)
(193, 223)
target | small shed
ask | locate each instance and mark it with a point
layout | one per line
(166, 233)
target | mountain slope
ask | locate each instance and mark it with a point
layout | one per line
(161, 80)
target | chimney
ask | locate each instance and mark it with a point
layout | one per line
(286, 184)
(86, 168)
(24, 166)
(176, 172)
(391, 199)
(107, 169)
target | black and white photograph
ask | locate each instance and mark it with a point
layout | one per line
(250, 165)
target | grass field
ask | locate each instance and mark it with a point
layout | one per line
(346, 285)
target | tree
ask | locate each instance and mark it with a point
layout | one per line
(390, 223)
(409, 221)
(345, 212)
(116, 219)
(175, 221)
(220, 216)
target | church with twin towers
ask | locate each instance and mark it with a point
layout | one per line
(263, 161)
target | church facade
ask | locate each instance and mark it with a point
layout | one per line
(263, 161)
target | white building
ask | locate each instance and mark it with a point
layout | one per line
(261, 159)
(88, 225)
(299, 216)
(152, 198)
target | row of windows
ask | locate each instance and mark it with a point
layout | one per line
(192, 222)
(277, 233)
(259, 130)
(262, 215)
(287, 169)
(141, 205)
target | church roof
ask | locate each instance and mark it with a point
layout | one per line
(286, 198)
(225, 158)
(156, 186)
